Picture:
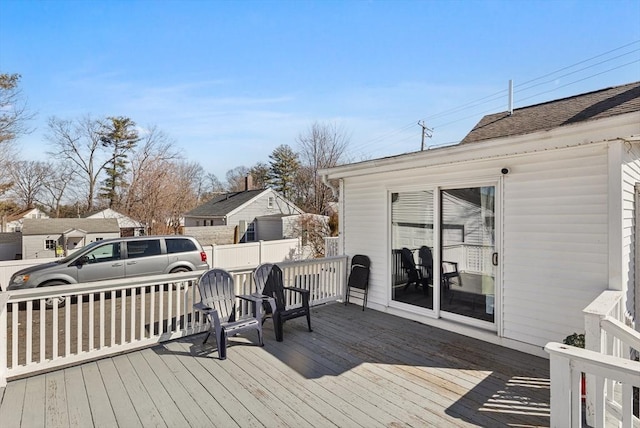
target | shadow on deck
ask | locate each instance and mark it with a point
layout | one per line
(356, 368)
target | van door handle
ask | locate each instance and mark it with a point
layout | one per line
(116, 264)
(131, 263)
(494, 259)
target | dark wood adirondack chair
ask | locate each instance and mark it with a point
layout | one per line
(359, 278)
(218, 302)
(270, 286)
(414, 275)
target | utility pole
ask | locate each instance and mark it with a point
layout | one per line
(426, 132)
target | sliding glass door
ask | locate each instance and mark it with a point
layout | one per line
(446, 237)
(412, 238)
(468, 252)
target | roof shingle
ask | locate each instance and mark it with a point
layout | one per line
(594, 105)
(223, 204)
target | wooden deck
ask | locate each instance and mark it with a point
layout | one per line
(357, 369)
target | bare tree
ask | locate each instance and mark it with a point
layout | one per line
(28, 179)
(156, 148)
(14, 116)
(312, 229)
(210, 186)
(323, 145)
(78, 142)
(236, 178)
(57, 186)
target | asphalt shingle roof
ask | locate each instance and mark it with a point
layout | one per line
(45, 226)
(223, 204)
(599, 104)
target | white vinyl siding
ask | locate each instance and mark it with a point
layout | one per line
(630, 176)
(554, 248)
(554, 260)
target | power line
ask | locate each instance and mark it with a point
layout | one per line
(369, 144)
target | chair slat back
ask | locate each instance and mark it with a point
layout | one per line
(217, 291)
(269, 281)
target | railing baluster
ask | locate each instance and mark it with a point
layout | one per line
(132, 328)
(102, 326)
(14, 335)
(113, 318)
(91, 322)
(79, 306)
(152, 311)
(67, 327)
(143, 292)
(54, 330)
(43, 335)
(29, 338)
(123, 316)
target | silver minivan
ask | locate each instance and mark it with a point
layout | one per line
(116, 258)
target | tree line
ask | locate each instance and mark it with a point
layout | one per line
(96, 163)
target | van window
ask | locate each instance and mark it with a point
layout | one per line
(144, 248)
(104, 253)
(180, 245)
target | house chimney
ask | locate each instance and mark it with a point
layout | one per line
(248, 182)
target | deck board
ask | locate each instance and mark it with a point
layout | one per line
(356, 369)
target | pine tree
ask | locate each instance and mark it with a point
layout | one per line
(284, 165)
(119, 135)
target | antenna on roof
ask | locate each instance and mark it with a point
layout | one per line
(510, 97)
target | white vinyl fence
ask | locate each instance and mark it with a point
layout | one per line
(233, 256)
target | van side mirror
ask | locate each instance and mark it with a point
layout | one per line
(83, 260)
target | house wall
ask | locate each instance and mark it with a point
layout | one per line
(212, 235)
(33, 245)
(260, 207)
(554, 248)
(269, 228)
(10, 245)
(630, 176)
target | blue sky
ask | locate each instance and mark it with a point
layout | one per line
(229, 81)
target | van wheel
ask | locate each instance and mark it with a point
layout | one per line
(50, 302)
(180, 269)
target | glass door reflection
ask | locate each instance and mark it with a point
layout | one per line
(467, 228)
(411, 247)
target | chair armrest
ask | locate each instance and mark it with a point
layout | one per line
(212, 313)
(269, 299)
(202, 307)
(298, 290)
(304, 293)
(257, 300)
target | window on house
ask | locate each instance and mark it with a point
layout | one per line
(270, 202)
(251, 232)
(197, 222)
(49, 244)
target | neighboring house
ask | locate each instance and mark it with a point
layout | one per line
(241, 210)
(537, 208)
(13, 222)
(58, 236)
(128, 226)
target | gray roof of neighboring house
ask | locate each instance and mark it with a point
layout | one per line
(61, 225)
(223, 204)
(594, 105)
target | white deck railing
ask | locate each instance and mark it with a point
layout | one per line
(109, 317)
(610, 372)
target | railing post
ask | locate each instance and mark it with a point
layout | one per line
(561, 409)
(4, 298)
(593, 342)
